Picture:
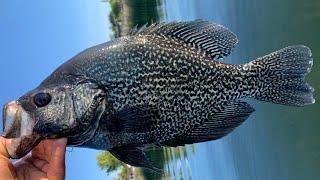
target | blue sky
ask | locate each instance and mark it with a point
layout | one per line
(36, 37)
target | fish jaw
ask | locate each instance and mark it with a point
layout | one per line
(18, 128)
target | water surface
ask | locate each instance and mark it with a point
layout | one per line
(276, 142)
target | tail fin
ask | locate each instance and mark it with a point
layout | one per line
(281, 76)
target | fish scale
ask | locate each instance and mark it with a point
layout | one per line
(164, 70)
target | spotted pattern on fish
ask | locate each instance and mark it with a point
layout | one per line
(182, 82)
(173, 68)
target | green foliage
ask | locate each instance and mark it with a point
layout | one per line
(126, 14)
(123, 175)
(107, 162)
(142, 12)
(115, 8)
(115, 16)
(160, 157)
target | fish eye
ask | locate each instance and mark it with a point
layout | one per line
(42, 99)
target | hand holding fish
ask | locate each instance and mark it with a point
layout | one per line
(46, 161)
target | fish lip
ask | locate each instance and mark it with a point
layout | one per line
(3, 117)
(11, 120)
(16, 121)
(18, 128)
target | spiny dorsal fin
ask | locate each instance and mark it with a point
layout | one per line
(213, 39)
(217, 126)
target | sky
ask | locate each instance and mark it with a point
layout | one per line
(38, 36)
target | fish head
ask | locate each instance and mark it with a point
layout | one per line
(51, 112)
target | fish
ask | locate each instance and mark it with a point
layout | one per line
(164, 85)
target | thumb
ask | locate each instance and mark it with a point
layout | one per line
(57, 160)
(4, 143)
(7, 170)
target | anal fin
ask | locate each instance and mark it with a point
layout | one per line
(216, 126)
(133, 156)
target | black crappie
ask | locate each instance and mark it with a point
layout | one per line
(161, 85)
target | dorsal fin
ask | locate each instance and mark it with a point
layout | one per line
(213, 39)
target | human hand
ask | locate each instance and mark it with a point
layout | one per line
(46, 161)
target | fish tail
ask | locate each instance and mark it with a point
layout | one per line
(281, 76)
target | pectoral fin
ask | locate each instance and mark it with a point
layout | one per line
(133, 156)
(216, 126)
(133, 119)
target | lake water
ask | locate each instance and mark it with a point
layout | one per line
(276, 142)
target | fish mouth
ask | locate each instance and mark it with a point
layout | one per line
(18, 127)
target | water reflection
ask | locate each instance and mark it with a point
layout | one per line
(173, 161)
(127, 14)
(276, 142)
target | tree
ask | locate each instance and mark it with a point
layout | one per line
(108, 162)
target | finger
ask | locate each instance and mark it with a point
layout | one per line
(4, 143)
(42, 150)
(58, 152)
(41, 164)
(45, 168)
(26, 170)
(38, 151)
(27, 158)
(7, 170)
(21, 169)
(57, 161)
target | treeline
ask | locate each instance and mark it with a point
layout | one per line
(127, 14)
